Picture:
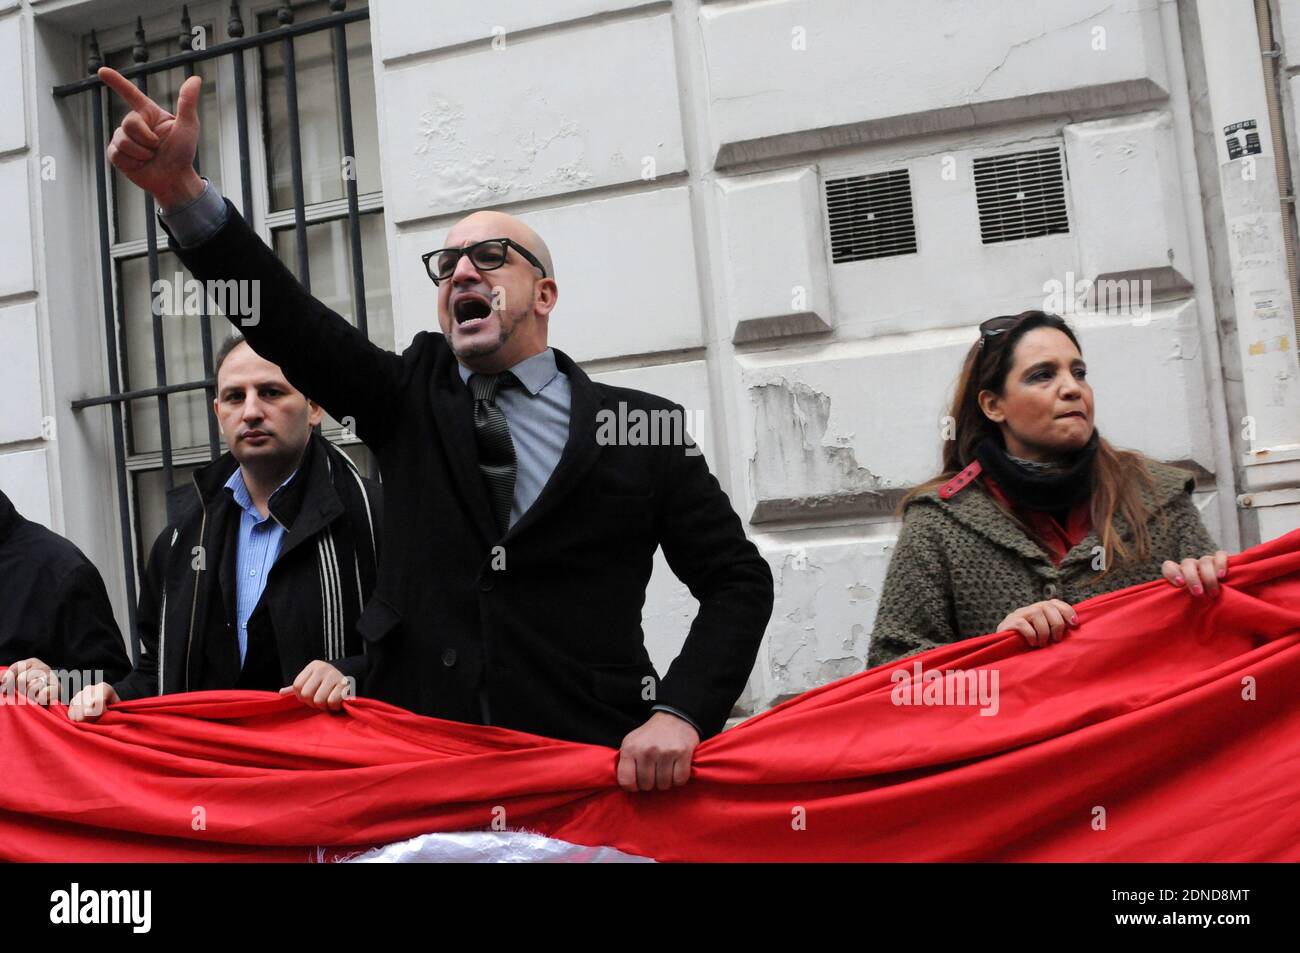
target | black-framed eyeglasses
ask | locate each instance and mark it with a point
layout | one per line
(487, 255)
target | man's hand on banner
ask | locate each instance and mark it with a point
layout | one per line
(33, 678)
(154, 148)
(89, 703)
(1199, 576)
(657, 755)
(320, 685)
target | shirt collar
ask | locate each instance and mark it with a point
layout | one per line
(533, 372)
(239, 490)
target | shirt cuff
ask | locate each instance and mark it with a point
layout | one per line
(680, 714)
(195, 223)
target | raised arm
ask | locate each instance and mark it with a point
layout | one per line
(320, 352)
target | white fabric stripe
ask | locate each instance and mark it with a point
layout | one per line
(162, 637)
(366, 499)
(341, 614)
(356, 567)
(324, 586)
(330, 574)
(361, 599)
(336, 592)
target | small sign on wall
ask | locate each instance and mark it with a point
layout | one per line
(1243, 139)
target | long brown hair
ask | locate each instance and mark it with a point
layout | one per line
(1113, 488)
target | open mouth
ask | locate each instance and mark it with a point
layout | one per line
(470, 308)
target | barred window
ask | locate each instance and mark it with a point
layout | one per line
(306, 73)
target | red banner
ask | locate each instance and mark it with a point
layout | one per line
(1164, 728)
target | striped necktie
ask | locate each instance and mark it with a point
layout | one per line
(496, 451)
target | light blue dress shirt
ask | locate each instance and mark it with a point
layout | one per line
(260, 538)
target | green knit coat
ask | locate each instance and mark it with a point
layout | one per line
(961, 565)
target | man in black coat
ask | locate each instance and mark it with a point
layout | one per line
(520, 526)
(56, 624)
(260, 579)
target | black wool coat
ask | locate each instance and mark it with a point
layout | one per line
(314, 592)
(546, 637)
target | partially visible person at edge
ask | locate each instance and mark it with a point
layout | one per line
(53, 605)
(1034, 510)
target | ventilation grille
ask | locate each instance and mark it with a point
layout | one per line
(871, 216)
(1021, 195)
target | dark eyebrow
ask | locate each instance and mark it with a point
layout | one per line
(259, 385)
(1048, 364)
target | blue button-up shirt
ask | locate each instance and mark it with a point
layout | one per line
(259, 545)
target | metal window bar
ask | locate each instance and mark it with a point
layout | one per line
(114, 305)
(205, 331)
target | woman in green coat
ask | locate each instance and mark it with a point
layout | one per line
(1034, 511)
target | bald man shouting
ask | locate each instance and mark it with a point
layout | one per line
(518, 535)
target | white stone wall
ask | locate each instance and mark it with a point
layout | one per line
(24, 460)
(673, 154)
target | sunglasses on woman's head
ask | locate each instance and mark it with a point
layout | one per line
(995, 326)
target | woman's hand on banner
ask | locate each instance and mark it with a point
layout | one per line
(1198, 576)
(1041, 623)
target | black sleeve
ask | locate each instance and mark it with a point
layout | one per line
(706, 547)
(354, 666)
(320, 352)
(85, 631)
(142, 681)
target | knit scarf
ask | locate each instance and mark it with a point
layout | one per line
(1041, 486)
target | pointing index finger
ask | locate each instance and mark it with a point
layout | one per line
(119, 84)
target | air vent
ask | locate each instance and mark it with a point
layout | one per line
(871, 216)
(1021, 195)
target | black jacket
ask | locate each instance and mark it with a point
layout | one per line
(314, 591)
(552, 640)
(53, 605)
